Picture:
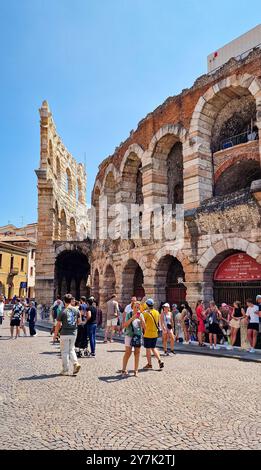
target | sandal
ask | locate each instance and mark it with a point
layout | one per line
(124, 373)
(148, 366)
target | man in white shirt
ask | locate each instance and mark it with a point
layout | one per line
(253, 315)
(2, 306)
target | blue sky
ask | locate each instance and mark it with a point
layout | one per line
(102, 65)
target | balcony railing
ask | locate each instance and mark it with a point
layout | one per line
(247, 136)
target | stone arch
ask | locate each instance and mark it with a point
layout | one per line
(169, 280)
(132, 281)
(213, 258)
(198, 167)
(96, 212)
(80, 192)
(50, 154)
(73, 235)
(109, 192)
(68, 181)
(110, 169)
(214, 99)
(63, 225)
(165, 157)
(96, 285)
(72, 269)
(133, 149)
(56, 221)
(226, 245)
(131, 176)
(236, 174)
(109, 282)
(58, 169)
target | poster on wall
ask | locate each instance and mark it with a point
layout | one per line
(238, 267)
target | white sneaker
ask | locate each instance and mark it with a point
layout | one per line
(251, 350)
(216, 347)
(211, 347)
(229, 347)
(64, 372)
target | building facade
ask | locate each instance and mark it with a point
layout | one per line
(199, 150)
(62, 263)
(13, 270)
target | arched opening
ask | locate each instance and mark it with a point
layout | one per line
(96, 204)
(109, 193)
(233, 275)
(56, 222)
(96, 285)
(169, 280)
(73, 235)
(68, 181)
(63, 226)
(80, 194)
(72, 269)
(168, 169)
(238, 176)
(175, 175)
(235, 122)
(109, 282)
(58, 170)
(50, 154)
(132, 281)
(131, 181)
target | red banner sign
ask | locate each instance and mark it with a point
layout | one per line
(238, 267)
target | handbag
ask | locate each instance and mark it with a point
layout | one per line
(136, 341)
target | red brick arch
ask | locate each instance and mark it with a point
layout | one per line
(230, 162)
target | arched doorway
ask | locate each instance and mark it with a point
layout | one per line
(132, 281)
(236, 277)
(109, 282)
(170, 278)
(71, 273)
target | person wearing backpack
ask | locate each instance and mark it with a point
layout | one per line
(151, 318)
(67, 321)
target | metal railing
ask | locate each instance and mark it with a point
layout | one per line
(242, 138)
(238, 57)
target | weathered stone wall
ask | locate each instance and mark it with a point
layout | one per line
(215, 226)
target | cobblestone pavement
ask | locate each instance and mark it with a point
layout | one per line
(196, 402)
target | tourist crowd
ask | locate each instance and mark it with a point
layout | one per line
(75, 324)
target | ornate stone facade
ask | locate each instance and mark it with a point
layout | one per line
(62, 212)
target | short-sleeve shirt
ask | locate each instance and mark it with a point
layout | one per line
(253, 314)
(151, 330)
(93, 311)
(18, 311)
(112, 309)
(69, 318)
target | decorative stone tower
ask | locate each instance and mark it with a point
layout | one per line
(62, 212)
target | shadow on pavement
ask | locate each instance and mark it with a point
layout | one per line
(40, 377)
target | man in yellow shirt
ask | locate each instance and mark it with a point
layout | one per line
(151, 317)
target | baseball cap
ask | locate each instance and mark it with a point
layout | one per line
(166, 305)
(150, 302)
